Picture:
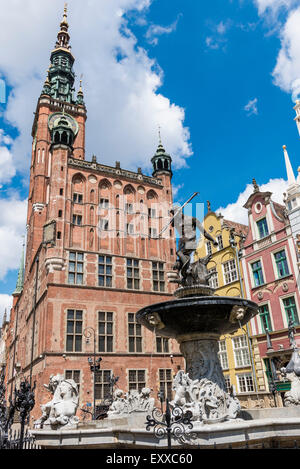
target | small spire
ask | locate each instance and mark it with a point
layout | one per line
(63, 36)
(255, 185)
(20, 281)
(64, 21)
(289, 169)
(80, 95)
(208, 206)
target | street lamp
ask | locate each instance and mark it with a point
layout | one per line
(94, 364)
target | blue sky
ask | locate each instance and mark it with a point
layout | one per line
(217, 76)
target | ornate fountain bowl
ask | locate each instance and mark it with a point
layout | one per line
(197, 315)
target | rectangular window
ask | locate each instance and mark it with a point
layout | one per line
(257, 272)
(213, 280)
(105, 332)
(166, 382)
(75, 376)
(265, 318)
(130, 229)
(230, 272)
(223, 354)
(77, 220)
(152, 232)
(77, 198)
(103, 386)
(134, 334)
(241, 351)
(136, 380)
(74, 331)
(151, 213)
(104, 203)
(75, 276)
(158, 276)
(281, 263)
(263, 229)
(220, 242)
(162, 345)
(291, 309)
(105, 271)
(245, 382)
(208, 248)
(133, 274)
(227, 383)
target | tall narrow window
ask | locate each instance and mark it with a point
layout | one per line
(230, 272)
(158, 275)
(104, 203)
(133, 274)
(213, 280)
(281, 264)
(208, 248)
(134, 334)
(223, 357)
(105, 331)
(103, 386)
(220, 242)
(166, 382)
(136, 380)
(241, 351)
(162, 345)
(75, 268)
(74, 331)
(265, 318)
(257, 273)
(263, 229)
(77, 220)
(77, 198)
(291, 309)
(105, 271)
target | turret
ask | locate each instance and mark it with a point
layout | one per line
(161, 161)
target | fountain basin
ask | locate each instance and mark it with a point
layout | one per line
(197, 316)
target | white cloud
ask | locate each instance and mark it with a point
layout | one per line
(286, 73)
(5, 304)
(236, 211)
(156, 30)
(12, 228)
(251, 107)
(122, 95)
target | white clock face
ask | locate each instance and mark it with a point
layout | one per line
(55, 118)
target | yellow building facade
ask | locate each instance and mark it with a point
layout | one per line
(235, 352)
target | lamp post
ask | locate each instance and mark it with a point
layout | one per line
(94, 364)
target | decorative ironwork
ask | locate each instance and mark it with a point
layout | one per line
(22, 402)
(173, 423)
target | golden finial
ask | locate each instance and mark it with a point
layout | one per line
(65, 14)
(284, 147)
(159, 135)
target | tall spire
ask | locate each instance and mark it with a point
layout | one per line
(289, 169)
(20, 281)
(161, 160)
(60, 81)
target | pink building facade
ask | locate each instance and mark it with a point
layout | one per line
(271, 278)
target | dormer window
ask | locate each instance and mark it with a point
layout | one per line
(263, 229)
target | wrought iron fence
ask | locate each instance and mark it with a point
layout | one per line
(15, 440)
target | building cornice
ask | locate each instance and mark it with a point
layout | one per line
(114, 172)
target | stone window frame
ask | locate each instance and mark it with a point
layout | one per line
(107, 277)
(77, 219)
(260, 314)
(241, 352)
(223, 354)
(78, 271)
(103, 385)
(162, 343)
(156, 272)
(75, 332)
(275, 265)
(214, 279)
(106, 332)
(283, 308)
(258, 230)
(230, 272)
(77, 198)
(135, 274)
(137, 383)
(245, 383)
(165, 380)
(136, 335)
